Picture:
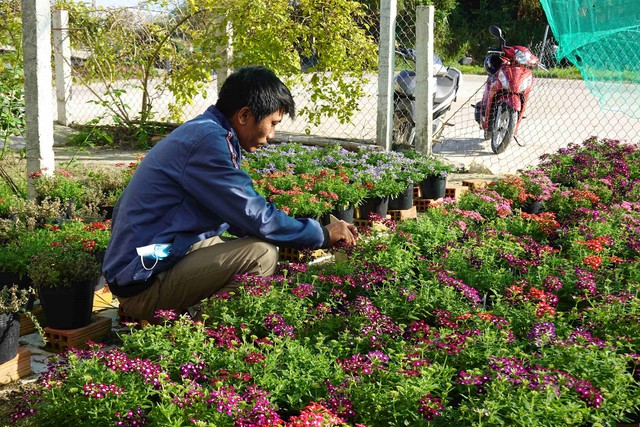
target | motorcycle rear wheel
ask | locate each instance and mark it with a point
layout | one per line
(505, 119)
(403, 134)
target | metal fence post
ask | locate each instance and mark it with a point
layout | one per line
(424, 82)
(384, 122)
(36, 40)
(62, 54)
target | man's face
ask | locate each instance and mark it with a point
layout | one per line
(252, 134)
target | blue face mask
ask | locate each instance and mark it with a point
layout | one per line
(156, 251)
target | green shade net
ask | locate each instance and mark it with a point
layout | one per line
(602, 39)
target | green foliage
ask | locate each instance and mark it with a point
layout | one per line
(63, 264)
(12, 120)
(523, 23)
(179, 51)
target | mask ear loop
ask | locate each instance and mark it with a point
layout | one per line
(145, 267)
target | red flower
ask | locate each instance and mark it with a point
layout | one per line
(593, 261)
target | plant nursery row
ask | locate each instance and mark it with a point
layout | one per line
(480, 312)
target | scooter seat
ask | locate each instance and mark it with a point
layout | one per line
(445, 89)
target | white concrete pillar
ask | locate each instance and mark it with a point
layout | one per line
(386, 70)
(62, 55)
(424, 81)
(36, 40)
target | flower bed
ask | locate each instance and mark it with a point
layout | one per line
(476, 313)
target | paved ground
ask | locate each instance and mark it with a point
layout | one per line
(559, 111)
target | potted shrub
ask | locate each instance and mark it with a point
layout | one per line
(61, 185)
(337, 186)
(18, 246)
(527, 191)
(434, 172)
(65, 273)
(13, 303)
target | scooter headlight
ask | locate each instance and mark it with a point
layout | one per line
(523, 58)
(503, 79)
(525, 84)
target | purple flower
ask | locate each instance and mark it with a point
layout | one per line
(166, 315)
(304, 290)
(429, 407)
(542, 333)
(224, 336)
(131, 418)
(100, 391)
(276, 324)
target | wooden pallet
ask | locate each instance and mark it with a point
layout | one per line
(61, 339)
(401, 215)
(476, 182)
(26, 325)
(16, 368)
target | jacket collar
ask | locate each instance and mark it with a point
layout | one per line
(221, 119)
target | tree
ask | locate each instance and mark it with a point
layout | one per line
(186, 40)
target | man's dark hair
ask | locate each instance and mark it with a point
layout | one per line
(257, 88)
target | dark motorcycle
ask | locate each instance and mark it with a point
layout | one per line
(446, 83)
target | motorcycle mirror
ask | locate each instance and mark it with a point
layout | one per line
(495, 31)
(466, 60)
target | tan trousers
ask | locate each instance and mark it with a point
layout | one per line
(207, 269)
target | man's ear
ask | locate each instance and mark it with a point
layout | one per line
(243, 115)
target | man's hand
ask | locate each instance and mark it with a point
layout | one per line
(342, 231)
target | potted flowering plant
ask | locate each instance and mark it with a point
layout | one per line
(527, 191)
(65, 269)
(65, 275)
(19, 245)
(292, 194)
(381, 184)
(61, 185)
(337, 185)
(433, 172)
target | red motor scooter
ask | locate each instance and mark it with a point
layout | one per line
(506, 92)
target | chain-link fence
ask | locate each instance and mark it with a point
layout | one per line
(88, 101)
(560, 109)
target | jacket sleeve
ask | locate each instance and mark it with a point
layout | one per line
(212, 176)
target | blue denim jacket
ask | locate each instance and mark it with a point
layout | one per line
(190, 187)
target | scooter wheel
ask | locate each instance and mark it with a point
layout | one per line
(504, 124)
